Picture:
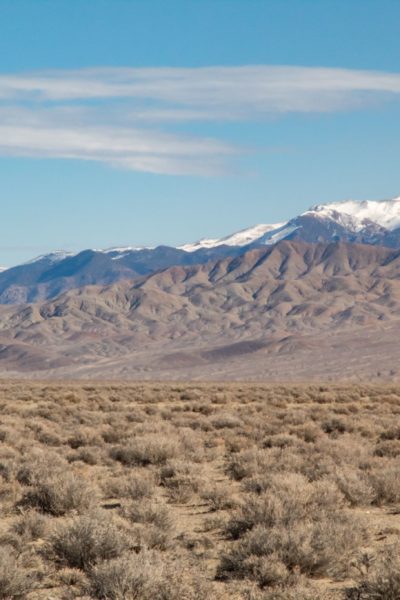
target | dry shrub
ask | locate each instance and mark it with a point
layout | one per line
(4, 434)
(249, 463)
(195, 423)
(202, 408)
(84, 437)
(288, 498)
(49, 438)
(114, 436)
(59, 494)
(154, 514)
(113, 487)
(198, 544)
(84, 541)
(268, 571)
(385, 480)
(38, 466)
(145, 576)
(90, 456)
(321, 547)
(295, 522)
(347, 449)
(388, 448)
(182, 491)
(15, 582)
(10, 494)
(140, 486)
(235, 442)
(382, 582)
(146, 450)
(299, 458)
(220, 398)
(355, 486)
(72, 577)
(154, 538)
(31, 525)
(301, 591)
(226, 421)
(281, 440)
(5, 470)
(393, 433)
(192, 444)
(218, 498)
(186, 585)
(181, 479)
(130, 577)
(309, 432)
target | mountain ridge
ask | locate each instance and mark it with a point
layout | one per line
(49, 275)
(286, 307)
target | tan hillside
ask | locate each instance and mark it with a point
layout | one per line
(291, 311)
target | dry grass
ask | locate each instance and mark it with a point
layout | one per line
(250, 492)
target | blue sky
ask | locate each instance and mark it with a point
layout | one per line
(146, 121)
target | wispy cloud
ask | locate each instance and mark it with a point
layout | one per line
(114, 115)
(102, 135)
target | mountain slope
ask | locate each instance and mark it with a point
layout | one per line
(368, 222)
(244, 237)
(47, 278)
(270, 306)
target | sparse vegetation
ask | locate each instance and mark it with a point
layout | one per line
(155, 491)
(382, 579)
(15, 582)
(86, 540)
(60, 494)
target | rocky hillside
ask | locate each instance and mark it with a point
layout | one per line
(292, 299)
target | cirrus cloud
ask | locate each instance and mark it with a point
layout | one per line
(127, 117)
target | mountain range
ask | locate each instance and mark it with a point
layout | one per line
(374, 223)
(287, 311)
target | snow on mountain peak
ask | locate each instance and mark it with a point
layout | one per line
(59, 255)
(53, 257)
(241, 238)
(368, 218)
(121, 251)
(355, 215)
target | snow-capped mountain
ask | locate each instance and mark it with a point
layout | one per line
(241, 238)
(366, 222)
(59, 255)
(52, 257)
(357, 215)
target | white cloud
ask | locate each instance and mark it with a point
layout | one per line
(83, 134)
(110, 114)
(136, 149)
(265, 88)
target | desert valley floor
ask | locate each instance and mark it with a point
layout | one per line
(190, 491)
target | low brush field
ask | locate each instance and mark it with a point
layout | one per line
(198, 492)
